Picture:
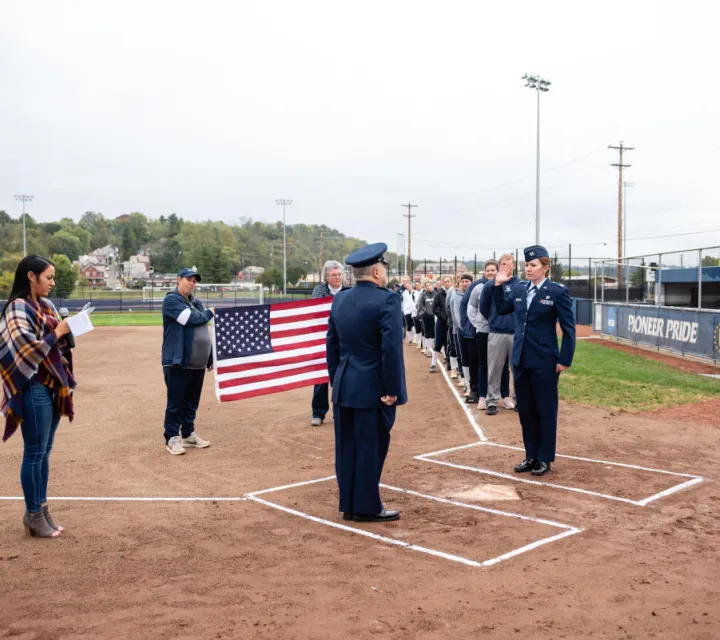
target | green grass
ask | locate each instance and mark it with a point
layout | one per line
(126, 319)
(604, 377)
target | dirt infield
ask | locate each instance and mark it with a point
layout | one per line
(245, 569)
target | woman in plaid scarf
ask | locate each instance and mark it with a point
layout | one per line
(37, 382)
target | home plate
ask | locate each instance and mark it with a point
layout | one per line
(487, 492)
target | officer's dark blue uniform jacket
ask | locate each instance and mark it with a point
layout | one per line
(365, 347)
(535, 344)
(178, 338)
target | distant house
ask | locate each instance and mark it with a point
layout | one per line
(250, 274)
(136, 268)
(93, 274)
(105, 260)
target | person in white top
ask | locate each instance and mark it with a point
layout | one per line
(408, 307)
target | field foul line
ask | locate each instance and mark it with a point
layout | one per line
(132, 499)
(568, 529)
(468, 412)
(427, 457)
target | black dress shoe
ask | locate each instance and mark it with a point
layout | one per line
(347, 516)
(526, 465)
(541, 468)
(472, 398)
(383, 516)
(491, 411)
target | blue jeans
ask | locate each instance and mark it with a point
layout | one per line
(40, 422)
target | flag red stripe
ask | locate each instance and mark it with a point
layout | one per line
(237, 368)
(299, 345)
(299, 318)
(239, 382)
(313, 302)
(267, 391)
(302, 331)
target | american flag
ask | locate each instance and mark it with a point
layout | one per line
(268, 348)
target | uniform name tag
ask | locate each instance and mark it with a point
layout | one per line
(518, 299)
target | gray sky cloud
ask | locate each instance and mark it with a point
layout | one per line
(215, 110)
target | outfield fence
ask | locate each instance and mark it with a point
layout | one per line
(688, 332)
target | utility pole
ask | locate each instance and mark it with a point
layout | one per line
(619, 164)
(625, 186)
(24, 198)
(283, 202)
(408, 258)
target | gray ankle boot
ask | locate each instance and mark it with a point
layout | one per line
(36, 525)
(57, 527)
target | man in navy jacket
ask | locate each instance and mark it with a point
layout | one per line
(367, 373)
(186, 354)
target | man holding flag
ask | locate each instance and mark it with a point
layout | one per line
(367, 373)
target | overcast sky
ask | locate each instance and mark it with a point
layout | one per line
(215, 109)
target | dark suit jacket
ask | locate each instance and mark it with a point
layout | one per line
(535, 343)
(365, 347)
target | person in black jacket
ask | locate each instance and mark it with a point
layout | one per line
(332, 283)
(441, 324)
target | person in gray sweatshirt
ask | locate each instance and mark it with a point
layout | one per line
(500, 343)
(482, 328)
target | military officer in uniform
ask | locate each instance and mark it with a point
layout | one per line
(367, 374)
(538, 304)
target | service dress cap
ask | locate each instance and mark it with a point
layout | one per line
(365, 256)
(534, 252)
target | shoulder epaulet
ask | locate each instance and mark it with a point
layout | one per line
(558, 284)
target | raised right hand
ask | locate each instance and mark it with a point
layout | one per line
(62, 329)
(503, 275)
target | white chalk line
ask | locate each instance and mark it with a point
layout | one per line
(559, 455)
(569, 529)
(132, 499)
(427, 457)
(468, 412)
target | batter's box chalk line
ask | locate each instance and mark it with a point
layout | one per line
(693, 479)
(566, 530)
(134, 499)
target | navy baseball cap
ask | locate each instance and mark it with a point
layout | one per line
(365, 256)
(189, 273)
(536, 251)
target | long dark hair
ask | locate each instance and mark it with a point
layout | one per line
(21, 284)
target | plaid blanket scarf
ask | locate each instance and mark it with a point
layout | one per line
(29, 348)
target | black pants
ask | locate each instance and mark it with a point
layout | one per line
(184, 387)
(481, 341)
(537, 402)
(362, 439)
(440, 335)
(320, 402)
(473, 363)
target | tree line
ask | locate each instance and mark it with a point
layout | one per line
(219, 250)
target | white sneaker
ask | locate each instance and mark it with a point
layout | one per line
(174, 446)
(194, 440)
(482, 405)
(508, 403)
(453, 375)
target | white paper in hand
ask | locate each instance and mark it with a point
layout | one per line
(80, 323)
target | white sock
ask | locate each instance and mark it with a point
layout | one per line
(434, 358)
(466, 375)
(430, 344)
(453, 363)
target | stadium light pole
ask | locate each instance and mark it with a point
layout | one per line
(284, 202)
(24, 198)
(539, 85)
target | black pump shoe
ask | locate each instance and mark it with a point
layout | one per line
(541, 468)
